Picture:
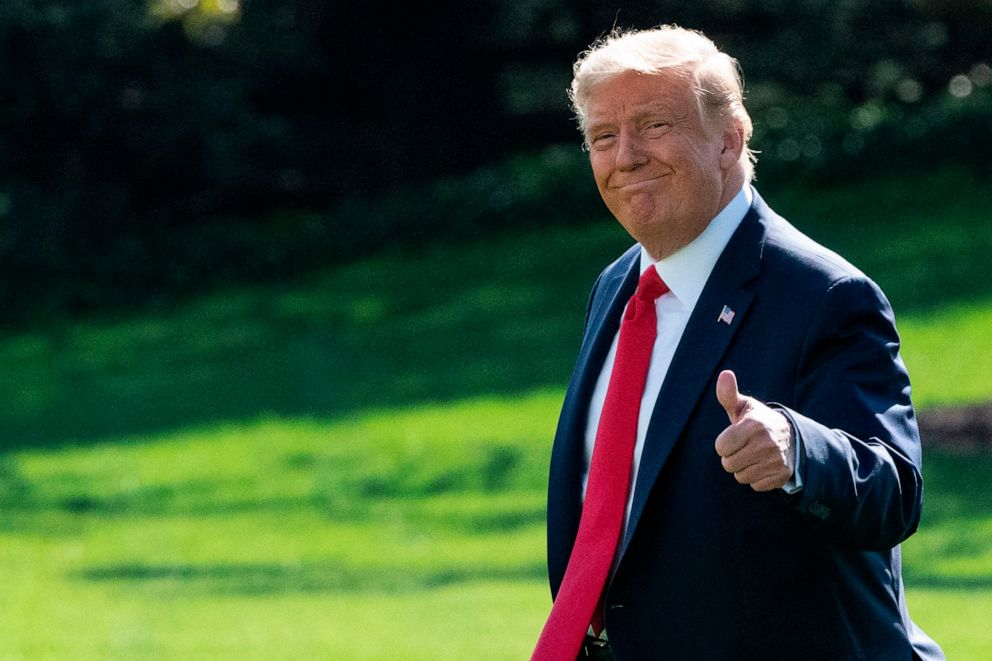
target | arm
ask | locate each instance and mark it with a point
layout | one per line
(859, 455)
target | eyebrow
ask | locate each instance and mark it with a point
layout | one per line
(639, 112)
(666, 110)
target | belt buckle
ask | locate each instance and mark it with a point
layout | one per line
(595, 646)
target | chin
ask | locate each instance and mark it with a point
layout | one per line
(645, 231)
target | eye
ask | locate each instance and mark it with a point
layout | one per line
(656, 128)
(602, 141)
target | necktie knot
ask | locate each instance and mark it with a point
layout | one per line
(650, 286)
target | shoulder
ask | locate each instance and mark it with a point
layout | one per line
(791, 257)
(622, 264)
(809, 276)
(610, 280)
(786, 247)
(613, 275)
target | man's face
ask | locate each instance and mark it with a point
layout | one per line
(661, 172)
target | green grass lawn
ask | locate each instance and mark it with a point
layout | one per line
(356, 539)
(353, 466)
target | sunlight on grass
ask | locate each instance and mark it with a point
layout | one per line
(302, 538)
(956, 618)
(948, 563)
(283, 538)
(947, 353)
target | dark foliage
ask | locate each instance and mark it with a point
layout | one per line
(152, 148)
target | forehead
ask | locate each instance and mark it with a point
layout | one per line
(630, 94)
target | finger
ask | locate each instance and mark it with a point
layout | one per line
(739, 461)
(768, 483)
(760, 477)
(729, 396)
(749, 475)
(730, 441)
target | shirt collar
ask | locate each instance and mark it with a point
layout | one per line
(687, 270)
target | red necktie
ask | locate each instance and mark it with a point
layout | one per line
(575, 607)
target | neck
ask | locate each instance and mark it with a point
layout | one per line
(671, 242)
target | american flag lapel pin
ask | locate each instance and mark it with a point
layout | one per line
(726, 315)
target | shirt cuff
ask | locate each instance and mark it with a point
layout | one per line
(795, 483)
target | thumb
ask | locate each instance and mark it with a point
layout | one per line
(728, 395)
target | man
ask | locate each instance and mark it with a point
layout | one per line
(737, 458)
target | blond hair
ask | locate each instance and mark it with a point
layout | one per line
(716, 78)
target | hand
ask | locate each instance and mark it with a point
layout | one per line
(757, 446)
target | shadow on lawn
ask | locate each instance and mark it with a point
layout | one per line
(266, 579)
(498, 317)
(387, 332)
(964, 583)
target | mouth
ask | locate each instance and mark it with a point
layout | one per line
(634, 185)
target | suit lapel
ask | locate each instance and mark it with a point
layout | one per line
(604, 322)
(698, 355)
(567, 460)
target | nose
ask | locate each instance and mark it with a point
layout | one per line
(630, 152)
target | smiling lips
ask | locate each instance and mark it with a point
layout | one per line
(635, 184)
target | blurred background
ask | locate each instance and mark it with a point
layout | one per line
(290, 292)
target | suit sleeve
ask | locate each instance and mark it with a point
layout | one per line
(862, 485)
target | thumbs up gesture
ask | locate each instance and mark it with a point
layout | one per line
(757, 446)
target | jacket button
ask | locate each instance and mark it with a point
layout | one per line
(819, 510)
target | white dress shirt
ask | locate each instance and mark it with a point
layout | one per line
(685, 272)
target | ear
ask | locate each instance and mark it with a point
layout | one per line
(733, 145)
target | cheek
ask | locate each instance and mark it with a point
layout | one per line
(708, 157)
(602, 185)
(600, 171)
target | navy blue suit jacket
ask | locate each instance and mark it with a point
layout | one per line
(710, 569)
